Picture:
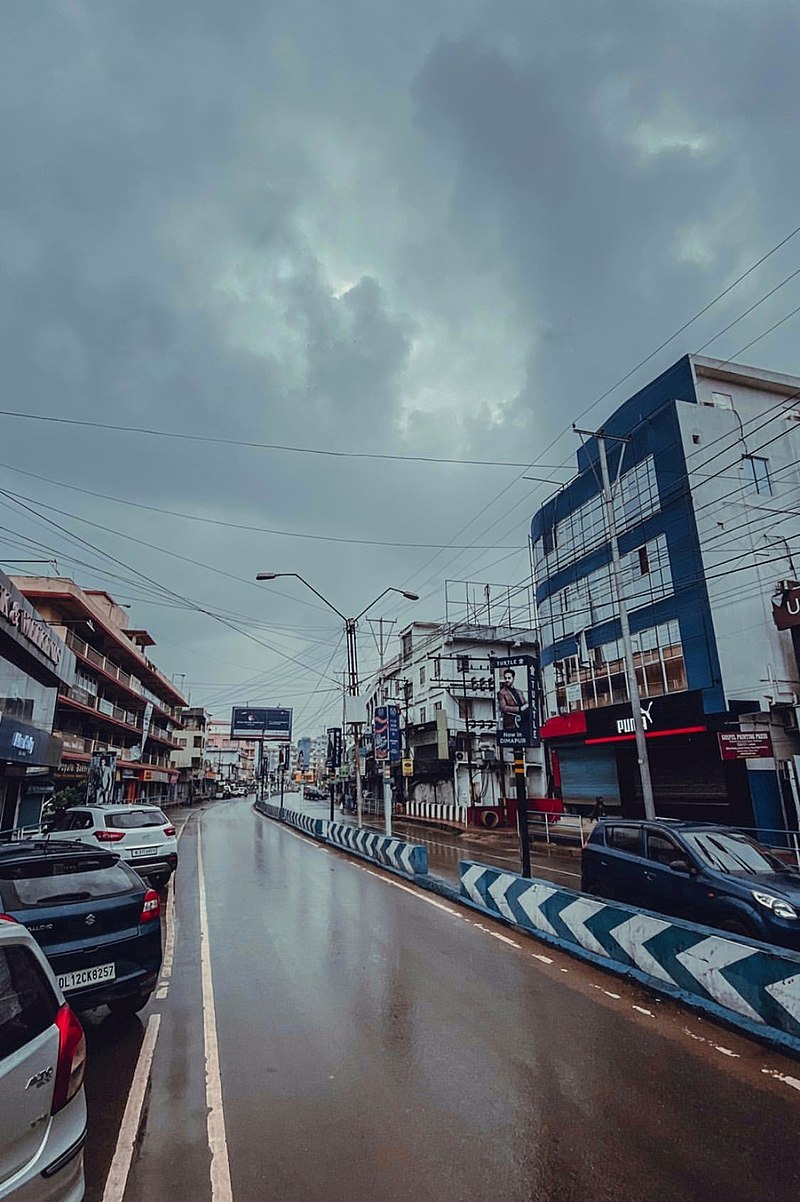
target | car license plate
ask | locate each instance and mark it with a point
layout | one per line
(86, 976)
(142, 851)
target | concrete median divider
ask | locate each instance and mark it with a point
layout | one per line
(303, 822)
(752, 985)
(409, 858)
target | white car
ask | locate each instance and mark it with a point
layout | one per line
(42, 1061)
(141, 835)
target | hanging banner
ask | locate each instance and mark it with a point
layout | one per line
(386, 733)
(516, 681)
(333, 757)
(138, 752)
(101, 784)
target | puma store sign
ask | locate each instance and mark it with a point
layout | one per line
(681, 713)
(18, 614)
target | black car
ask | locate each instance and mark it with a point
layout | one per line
(708, 874)
(96, 921)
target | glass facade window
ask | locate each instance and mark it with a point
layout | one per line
(571, 684)
(646, 578)
(758, 480)
(584, 529)
(24, 698)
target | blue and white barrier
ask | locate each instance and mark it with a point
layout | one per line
(411, 858)
(408, 858)
(755, 983)
(312, 826)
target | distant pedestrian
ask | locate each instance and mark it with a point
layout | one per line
(599, 810)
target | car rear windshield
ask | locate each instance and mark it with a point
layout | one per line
(28, 1004)
(54, 880)
(727, 851)
(128, 820)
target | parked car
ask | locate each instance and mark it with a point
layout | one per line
(708, 874)
(142, 835)
(42, 1061)
(96, 921)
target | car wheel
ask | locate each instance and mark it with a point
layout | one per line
(739, 926)
(126, 1007)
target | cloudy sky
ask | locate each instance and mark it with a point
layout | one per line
(435, 228)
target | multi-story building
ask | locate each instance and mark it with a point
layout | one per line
(443, 684)
(34, 665)
(195, 775)
(119, 701)
(706, 460)
(232, 760)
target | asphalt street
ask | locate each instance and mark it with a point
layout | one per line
(447, 847)
(375, 1042)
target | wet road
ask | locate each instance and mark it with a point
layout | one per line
(377, 1043)
(447, 847)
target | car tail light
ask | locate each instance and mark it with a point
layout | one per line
(7, 918)
(109, 836)
(151, 907)
(169, 830)
(71, 1058)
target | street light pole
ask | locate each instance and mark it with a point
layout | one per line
(350, 625)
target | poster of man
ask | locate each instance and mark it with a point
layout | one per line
(516, 701)
(101, 784)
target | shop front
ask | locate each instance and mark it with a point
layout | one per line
(33, 663)
(593, 754)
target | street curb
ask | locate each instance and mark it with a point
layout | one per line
(767, 1036)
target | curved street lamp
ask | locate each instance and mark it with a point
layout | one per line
(352, 658)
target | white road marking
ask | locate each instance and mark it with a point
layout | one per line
(650, 1014)
(221, 1190)
(129, 1129)
(414, 893)
(792, 1081)
(544, 959)
(607, 992)
(496, 935)
(725, 1051)
(169, 945)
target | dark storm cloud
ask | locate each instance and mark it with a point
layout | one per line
(432, 227)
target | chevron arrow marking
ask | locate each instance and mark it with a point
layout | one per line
(497, 892)
(787, 994)
(706, 961)
(633, 934)
(575, 915)
(469, 882)
(531, 902)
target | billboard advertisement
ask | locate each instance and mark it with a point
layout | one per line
(333, 757)
(386, 733)
(516, 687)
(102, 778)
(247, 723)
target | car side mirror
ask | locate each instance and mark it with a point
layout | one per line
(682, 866)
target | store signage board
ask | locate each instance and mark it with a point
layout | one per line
(745, 745)
(261, 723)
(386, 733)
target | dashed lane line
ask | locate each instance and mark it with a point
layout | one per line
(221, 1190)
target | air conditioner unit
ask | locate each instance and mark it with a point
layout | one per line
(461, 757)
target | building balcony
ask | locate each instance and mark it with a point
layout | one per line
(112, 672)
(104, 711)
(79, 747)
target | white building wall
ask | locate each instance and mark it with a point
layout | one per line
(744, 530)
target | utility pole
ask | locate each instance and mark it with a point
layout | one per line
(352, 688)
(463, 665)
(622, 608)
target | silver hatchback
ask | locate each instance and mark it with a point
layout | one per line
(42, 1061)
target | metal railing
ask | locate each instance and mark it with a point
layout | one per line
(575, 829)
(82, 648)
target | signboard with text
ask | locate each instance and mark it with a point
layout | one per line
(248, 723)
(786, 614)
(333, 757)
(516, 683)
(745, 745)
(386, 733)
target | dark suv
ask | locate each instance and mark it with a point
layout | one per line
(708, 874)
(96, 921)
